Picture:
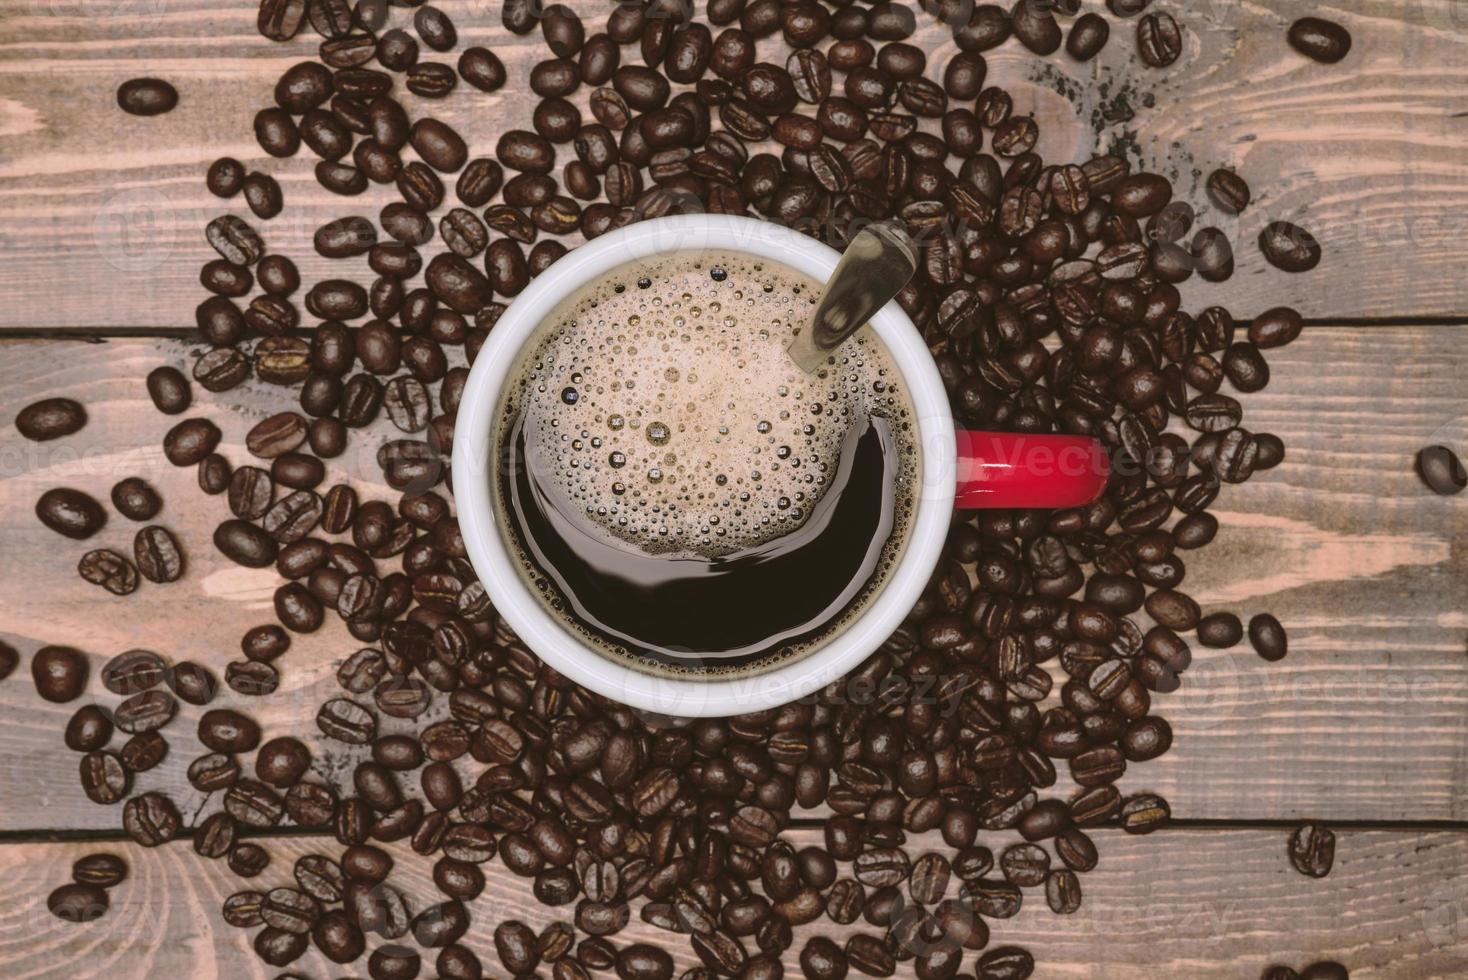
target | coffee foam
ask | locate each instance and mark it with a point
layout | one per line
(661, 404)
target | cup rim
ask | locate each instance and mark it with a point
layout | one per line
(498, 569)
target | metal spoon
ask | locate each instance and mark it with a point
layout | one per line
(876, 265)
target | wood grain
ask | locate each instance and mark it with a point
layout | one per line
(1364, 720)
(1202, 904)
(101, 214)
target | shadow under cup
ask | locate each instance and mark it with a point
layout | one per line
(506, 517)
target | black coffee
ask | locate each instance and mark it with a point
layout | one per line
(679, 493)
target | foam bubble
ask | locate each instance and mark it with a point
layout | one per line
(661, 403)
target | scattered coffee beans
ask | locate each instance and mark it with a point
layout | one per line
(1049, 298)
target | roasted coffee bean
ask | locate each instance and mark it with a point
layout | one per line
(145, 712)
(245, 544)
(311, 804)
(464, 233)
(1322, 40)
(638, 961)
(292, 517)
(213, 772)
(1441, 470)
(350, 52)
(431, 80)
(248, 861)
(89, 730)
(262, 192)
(525, 151)
(397, 50)
(242, 909)
(110, 570)
(276, 132)
(99, 870)
(297, 471)
(278, 946)
(1289, 247)
(345, 237)
(479, 181)
(251, 679)
(289, 910)
(1228, 191)
(157, 554)
(881, 867)
(820, 959)
(1025, 865)
(51, 418)
(225, 177)
(1268, 637)
(1212, 254)
(421, 188)
(150, 819)
(220, 321)
(78, 902)
(191, 682)
(143, 752)
(1275, 327)
(214, 474)
(554, 78)
(253, 804)
(224, 730)
(458, 284)
(1312, 850)
(271, 315)
(70, 512)
(338, 937)
(482, 68)
(190, 441)
(146, 96)
(1088, 35)
(435, 28)
(1159, 40)
(221, 369)
(215, 836)
(1005, 963)
(438, 144)
(59, 673)
(868, 955)
(297, 609)
(285, 360)
(1221, 629)
(346, 721)
(169, 390)
(104, 778)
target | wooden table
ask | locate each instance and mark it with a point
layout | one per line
(1363, 726)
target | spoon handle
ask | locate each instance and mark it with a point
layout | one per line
(875, 266)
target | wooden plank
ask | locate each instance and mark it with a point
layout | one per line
(1205, 904)
(101, 214)
(1364, 720)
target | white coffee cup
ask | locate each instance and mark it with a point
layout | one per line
(475, 455)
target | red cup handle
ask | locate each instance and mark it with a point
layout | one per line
(1018, 470)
